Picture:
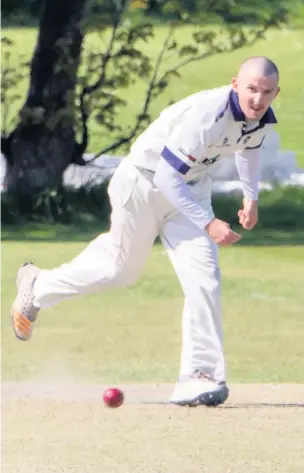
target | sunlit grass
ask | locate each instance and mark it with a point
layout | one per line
(134, 334)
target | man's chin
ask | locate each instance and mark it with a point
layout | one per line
(255, 114)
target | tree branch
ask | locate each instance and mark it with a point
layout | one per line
(154, 83)
(99, 82)
(84, 122)
(208, 54)
(142, 114)
(107, 56)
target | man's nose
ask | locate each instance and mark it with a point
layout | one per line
(258, 99)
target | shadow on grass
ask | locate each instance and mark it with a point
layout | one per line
(86, 231)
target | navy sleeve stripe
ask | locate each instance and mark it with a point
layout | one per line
(175, 162)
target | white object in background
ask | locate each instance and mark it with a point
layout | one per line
(277, 168)
(230, 187)
(93, 173)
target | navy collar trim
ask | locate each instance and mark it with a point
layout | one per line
(238, 115)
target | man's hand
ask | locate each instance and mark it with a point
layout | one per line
(248, 215)
(221, 232)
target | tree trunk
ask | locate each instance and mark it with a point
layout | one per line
(43, 143)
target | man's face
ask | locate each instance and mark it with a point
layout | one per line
(255, 92)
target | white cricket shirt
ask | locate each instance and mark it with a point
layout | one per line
(194, 133)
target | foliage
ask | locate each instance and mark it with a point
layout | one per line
(280, 208)
(31, 7)
(105, 75)
(65, 205)
(11, 79)
(232, 10)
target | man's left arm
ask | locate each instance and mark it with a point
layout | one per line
(248, 167)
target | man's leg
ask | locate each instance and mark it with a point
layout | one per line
(113, 259)
(195, 259)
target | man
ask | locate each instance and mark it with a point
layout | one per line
(164, 188)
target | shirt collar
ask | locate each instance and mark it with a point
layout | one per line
(238, 115)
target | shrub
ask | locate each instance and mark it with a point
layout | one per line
(281, 208)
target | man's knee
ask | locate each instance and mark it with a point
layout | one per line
(123, 276)
(208, 281)
(212, 278)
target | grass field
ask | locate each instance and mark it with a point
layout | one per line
(134, 335)
(285, 47)
(53, 420)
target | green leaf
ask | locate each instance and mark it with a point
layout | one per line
(188, 51)
(7, 41)
(172, 45)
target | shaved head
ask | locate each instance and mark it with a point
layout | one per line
(256, 85)
(260, 65)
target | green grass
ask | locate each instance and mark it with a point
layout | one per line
(133, 335)
(285, 47)
(86, 231)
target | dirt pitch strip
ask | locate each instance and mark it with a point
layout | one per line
(53, 427)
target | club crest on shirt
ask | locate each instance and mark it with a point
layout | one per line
(209, 161)
(224, 143)
(187, 155)
(246, 139)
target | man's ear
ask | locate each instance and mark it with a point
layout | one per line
(278, 91)
(234, 84)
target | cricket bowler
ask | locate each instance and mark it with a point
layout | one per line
(163, 188)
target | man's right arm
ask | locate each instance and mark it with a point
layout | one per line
(184, 147)
(172, 185)
(175, 189)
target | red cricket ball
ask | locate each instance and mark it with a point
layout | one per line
(113, 397)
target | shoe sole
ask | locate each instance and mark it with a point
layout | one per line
(211, 399)
(22, 324)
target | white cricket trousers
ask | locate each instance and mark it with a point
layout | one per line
(115, 259)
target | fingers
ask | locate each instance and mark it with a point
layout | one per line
(242, 216)
(230, 238)
(248, 225)
(221, 232)
(233, 237)
(245, 221)
(248, 219)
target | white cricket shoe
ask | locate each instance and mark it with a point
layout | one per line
(23, 312)
(199, 389)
